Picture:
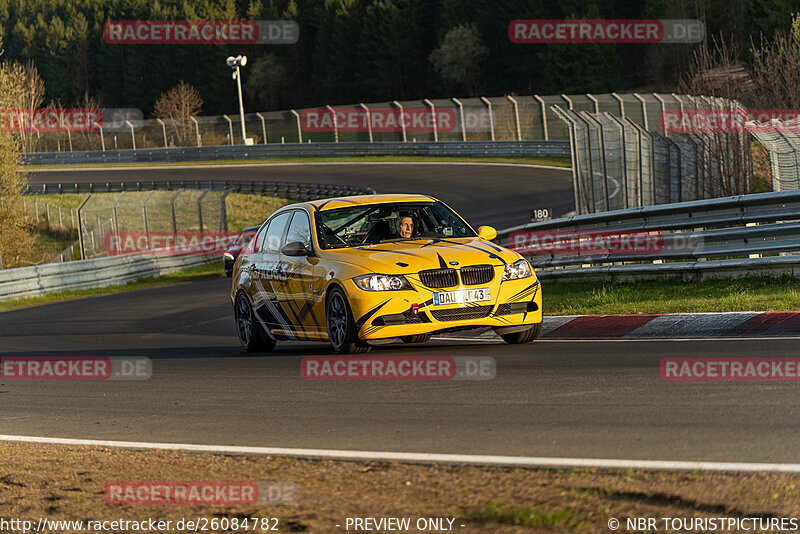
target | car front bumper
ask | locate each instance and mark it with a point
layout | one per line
(390, 314)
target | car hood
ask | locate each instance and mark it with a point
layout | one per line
(413, 256)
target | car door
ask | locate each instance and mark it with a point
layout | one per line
(301, 290)
(266, 275)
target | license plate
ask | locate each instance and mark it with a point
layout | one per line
(461, 296)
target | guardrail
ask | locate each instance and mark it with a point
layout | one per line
(720, 237)
(290, 190)
(88, 274)
(305, 150)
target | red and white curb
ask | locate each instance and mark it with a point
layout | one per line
(665, 326)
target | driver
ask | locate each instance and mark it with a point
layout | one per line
(406, 227)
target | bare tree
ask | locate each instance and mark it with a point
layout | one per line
(776, 69)
(15, 237)
(724, 158)
(25, 94)
(177, 106)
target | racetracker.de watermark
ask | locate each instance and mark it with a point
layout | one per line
(201, 32)
(730, 369)
(588, 242)
(204, 493)
(730, 120)
(540, 31)
(46, 120)
(74, 368)
(398, 368)
(167, 243)
(378, 120)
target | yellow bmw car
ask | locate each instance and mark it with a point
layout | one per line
(365, 270)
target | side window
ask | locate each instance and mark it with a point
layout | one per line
(272, 237)
(300, 229)
(259, 238)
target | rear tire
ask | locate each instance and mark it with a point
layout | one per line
(341, 325)
(251, 336)
(419, 338)
(525, 336)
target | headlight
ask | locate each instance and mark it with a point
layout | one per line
(382, 282)
(518, 269)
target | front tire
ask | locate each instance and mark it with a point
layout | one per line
(525, 336)
(341, 325)
(250, 335)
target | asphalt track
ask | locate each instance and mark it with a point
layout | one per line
(500, 195)
(579, 399)
(598, 399)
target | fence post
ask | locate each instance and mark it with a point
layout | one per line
(299, 129)
(602, 152)
(81, 243)
(116, 217)
(402, 119)
(461, 114)
(174, 218)
(516, 116)
(164, 130)
(544, 117)
(69, 135)
(369, 120)
(621, 104)
(144, 217)
(595, 101)
(568, 101)
(644, 110)
(663, 111)
(433, 113)
(623, 158)
(335, 126)
(223, 213)
(491, 115)
(102, 138)
(196, 129)
(230, 128)
(576, 161)
(263, 126)
(133, 137)
(200, 210)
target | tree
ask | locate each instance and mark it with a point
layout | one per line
(15, 238)
(776, 69)
(178, 105)
(266, 80)
(458, 59)
(24, 93)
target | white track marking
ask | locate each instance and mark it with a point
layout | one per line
(414, 457)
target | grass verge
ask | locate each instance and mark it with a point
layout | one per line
(672, 296)
(550, 161)
(202, 272)
(67, 483)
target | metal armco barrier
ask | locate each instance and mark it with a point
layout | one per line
(87, 274)
(290, 190)
(305, 150)
(739, 229)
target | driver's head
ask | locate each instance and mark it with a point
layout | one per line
(406, 228)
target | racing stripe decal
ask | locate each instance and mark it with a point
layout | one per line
(364, 318)
(442, 263)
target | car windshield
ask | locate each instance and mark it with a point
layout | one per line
(381, 223)
(245, 237)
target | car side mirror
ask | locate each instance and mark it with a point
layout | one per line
(295, 248)
(487, 233)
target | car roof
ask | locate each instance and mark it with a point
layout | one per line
(361, 200)
(251, 229)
